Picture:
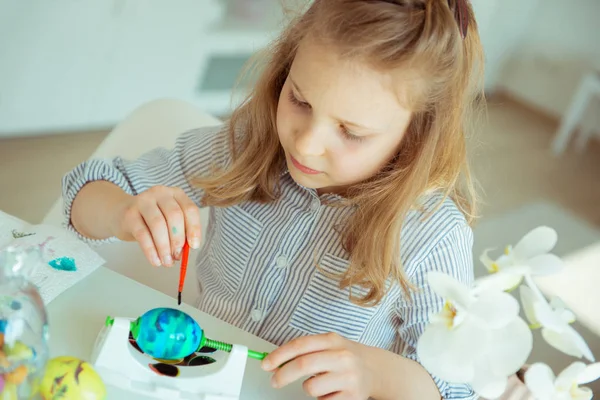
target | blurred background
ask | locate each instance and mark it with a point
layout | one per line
(70, 70)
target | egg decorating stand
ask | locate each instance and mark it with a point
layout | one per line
(121, 365)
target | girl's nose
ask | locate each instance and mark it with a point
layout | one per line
(310, 143)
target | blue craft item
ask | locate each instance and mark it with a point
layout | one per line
(170, 334)
(63, 264)
(167, 333)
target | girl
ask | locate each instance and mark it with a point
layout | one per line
(333, 190)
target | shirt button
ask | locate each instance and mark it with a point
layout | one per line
(256, 315)
(315, 204)
(282, 262)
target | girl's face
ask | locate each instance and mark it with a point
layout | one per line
(339, 122)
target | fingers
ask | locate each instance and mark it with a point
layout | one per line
(191, 214)
(308, 365)
(173, 215)
(163, 218)
(325, 386)
(156, 222)
(141, 234)
(300, 346)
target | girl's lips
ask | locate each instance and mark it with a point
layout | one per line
(304, 168)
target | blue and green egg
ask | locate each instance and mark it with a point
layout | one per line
(167, 333)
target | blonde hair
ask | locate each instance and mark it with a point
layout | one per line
(418, 36)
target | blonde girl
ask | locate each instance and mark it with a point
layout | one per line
(333, 190)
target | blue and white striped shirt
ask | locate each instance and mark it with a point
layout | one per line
(257, 267)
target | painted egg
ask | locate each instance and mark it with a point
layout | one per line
(9, 392)
(69, 378)
(167, 333)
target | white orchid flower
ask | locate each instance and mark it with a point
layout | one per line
(554, 319)
(543, 385)
(509, 347)
(530, 256)
(477, 337)
(504, 280)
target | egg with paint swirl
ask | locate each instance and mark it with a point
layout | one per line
(69, 378)
(167, 333)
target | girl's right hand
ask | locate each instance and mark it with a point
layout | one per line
(159, 219)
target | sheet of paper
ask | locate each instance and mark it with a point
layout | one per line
(65, 261)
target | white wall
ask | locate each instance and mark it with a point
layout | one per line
(561, 42)
(76, 65)
(502, 25)
(49, 51)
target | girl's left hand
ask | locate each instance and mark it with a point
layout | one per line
(338, 368)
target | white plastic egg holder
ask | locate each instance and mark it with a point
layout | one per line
(121, 365)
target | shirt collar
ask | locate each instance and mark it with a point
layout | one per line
(313, 192)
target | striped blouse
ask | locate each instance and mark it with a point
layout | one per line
(257, 267)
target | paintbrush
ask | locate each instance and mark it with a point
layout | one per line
(185, 254)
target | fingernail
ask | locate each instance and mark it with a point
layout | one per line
(167, 260)
(273, 382)
(195, 243)
(178, 254)
(155, 261)
(266, 365)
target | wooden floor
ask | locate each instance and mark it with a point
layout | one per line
(514, 165)
(31, 170)
(511, 159)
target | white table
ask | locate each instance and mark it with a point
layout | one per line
(78, 314)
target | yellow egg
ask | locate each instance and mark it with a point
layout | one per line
(9, 392)
(69, 378)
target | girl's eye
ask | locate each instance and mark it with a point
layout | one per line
(297, 102)
(345, 132)
(349, 135)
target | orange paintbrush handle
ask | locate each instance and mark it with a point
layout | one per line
(184, 262)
